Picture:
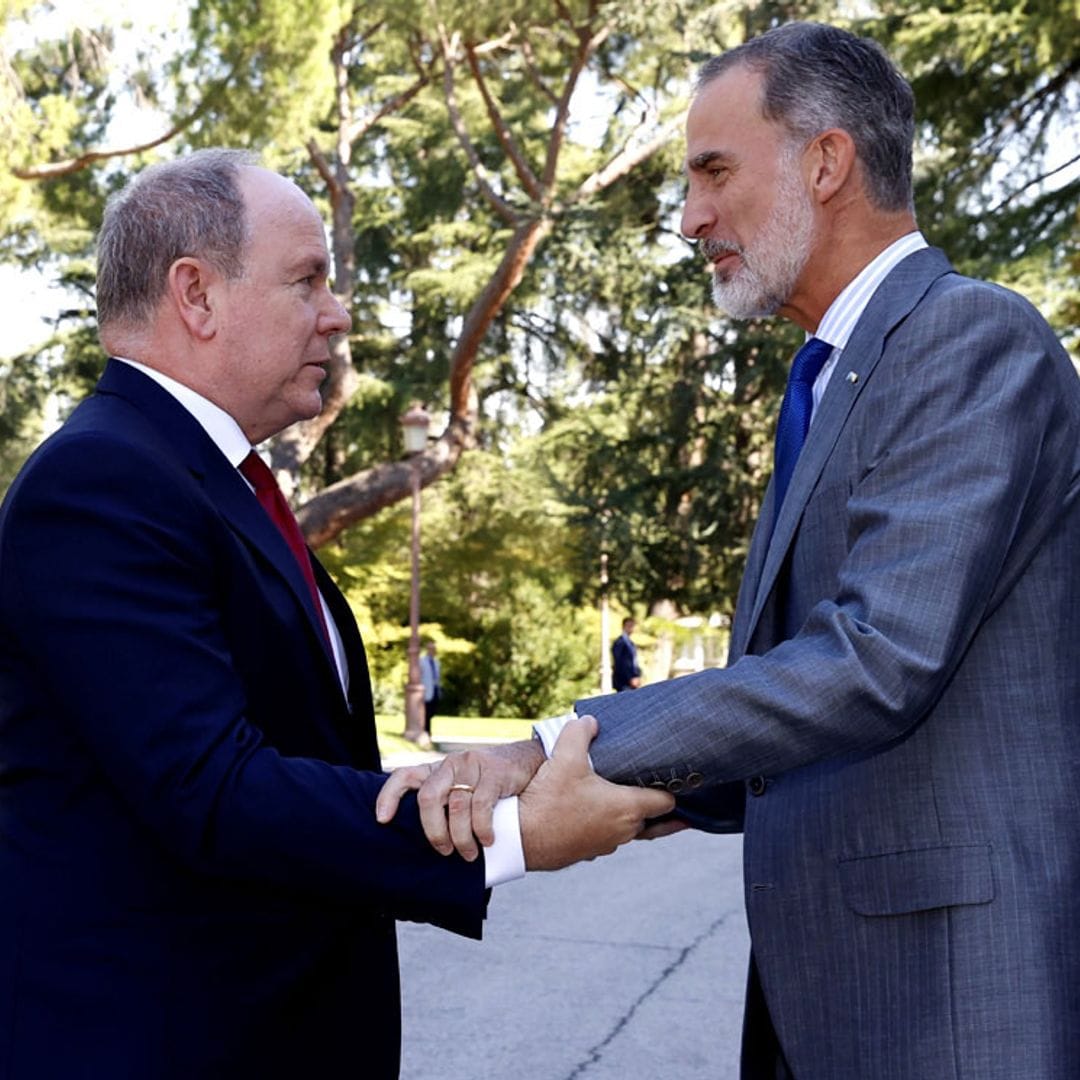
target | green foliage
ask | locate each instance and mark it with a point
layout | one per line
(496, 573)
(997, 83)
(54, 104)
(274, 58)
(620, 413)
(658, 420)
(22, 399)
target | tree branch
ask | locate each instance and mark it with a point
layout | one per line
(495, 43)
(534, 72)
(322, 166)
(361, 127)
(506, 278)
(1020, 112)
(1051, 87)
(295, 445)
(501, 207)
(357, 497)
(567, 17)
(1042, 178)
(64, 168)
(370, 32)
(506, 139)
(587, 45)
(625, 160)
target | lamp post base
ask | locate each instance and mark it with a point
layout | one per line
(414, 714)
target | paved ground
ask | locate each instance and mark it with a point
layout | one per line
(626, 968)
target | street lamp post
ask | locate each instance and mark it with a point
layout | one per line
(605, 633)
(414, 424)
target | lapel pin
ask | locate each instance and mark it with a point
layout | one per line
(853, 377)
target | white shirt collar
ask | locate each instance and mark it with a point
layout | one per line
(838, 322)
(844, 312)
(223, 430)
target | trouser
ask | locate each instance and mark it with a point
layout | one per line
(429, 710)
(762, 1056)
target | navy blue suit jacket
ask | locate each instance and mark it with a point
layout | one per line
(624, 663)
(192, 880)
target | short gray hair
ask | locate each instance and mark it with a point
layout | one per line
(189, 206)
(817, 77)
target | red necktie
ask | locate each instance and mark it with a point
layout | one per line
(257, 473)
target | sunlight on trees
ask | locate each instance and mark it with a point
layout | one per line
(501, 186)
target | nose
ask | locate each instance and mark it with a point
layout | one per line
(698, 216)
(334, 319)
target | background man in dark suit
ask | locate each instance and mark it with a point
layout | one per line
(193, 883)
(896, 733)
(431, 678)
(626, 673)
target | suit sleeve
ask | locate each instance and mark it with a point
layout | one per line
(960, 462)
(109, 559)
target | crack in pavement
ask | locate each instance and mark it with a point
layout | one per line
(595, 1053)
(594, 942)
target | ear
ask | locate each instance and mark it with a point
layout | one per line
(832, 163)
(190, 291)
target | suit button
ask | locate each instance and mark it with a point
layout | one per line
(756, 785)
(694, 780)
(675, 785)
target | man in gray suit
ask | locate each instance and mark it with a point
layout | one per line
(896, 732)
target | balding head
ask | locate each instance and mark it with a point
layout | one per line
(192, 206)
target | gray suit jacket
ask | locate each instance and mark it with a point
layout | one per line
(902, 703)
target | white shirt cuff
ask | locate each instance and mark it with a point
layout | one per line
(505, 860)
(550, 728)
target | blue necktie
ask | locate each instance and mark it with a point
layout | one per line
(795, 414)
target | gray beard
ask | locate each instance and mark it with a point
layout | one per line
(773, 262)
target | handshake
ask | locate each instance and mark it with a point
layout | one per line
(566, 812)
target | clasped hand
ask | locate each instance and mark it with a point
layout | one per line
(566, 812)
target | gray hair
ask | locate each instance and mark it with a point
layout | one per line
(818, 77)
(189, 206)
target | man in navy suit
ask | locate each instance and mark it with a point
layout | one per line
(431, 678)
(896, 732)
(193, 880)
(626, 674)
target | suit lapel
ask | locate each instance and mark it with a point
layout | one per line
(224, 486)
(361, 732)
(893, 301)
(249, 520)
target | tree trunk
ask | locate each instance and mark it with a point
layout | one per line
(335, 508)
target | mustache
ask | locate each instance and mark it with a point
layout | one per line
(713, 249)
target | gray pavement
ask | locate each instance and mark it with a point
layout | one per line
(626, 968)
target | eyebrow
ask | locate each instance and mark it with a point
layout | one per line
(311, 264)
(707, 158)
